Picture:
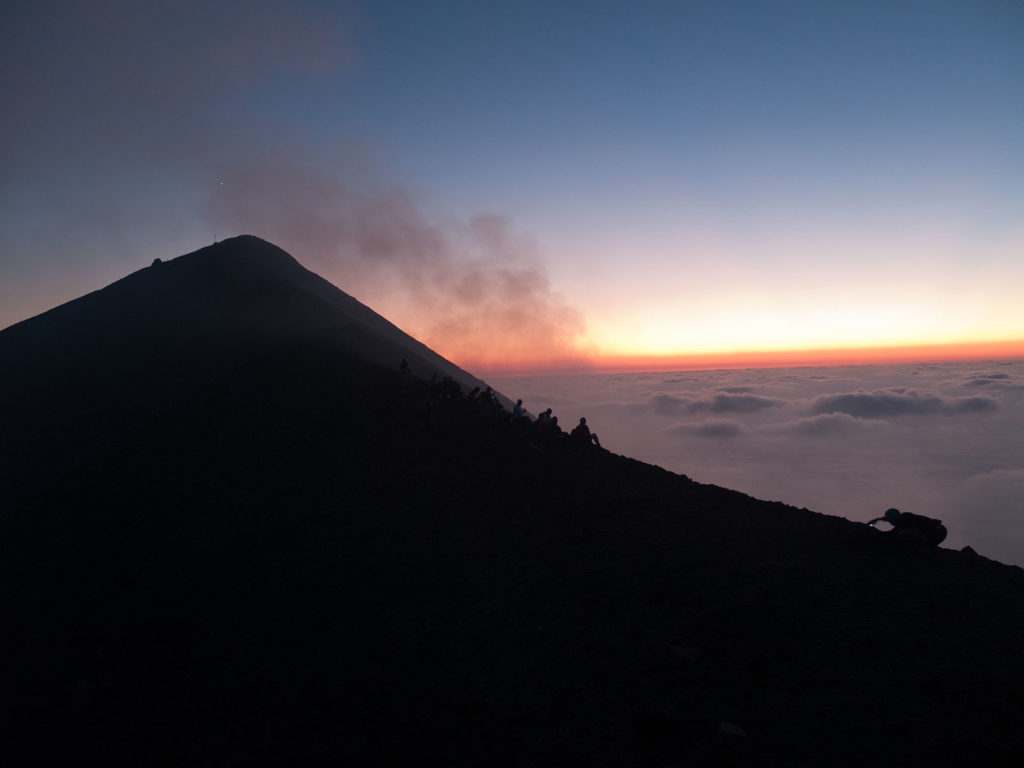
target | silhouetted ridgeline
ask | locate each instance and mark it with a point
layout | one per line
(235, 533)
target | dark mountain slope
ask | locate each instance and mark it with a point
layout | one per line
(109, 362)
(239, 293)
(312, 559)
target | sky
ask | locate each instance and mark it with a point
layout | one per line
(526, 185)
(941, 440)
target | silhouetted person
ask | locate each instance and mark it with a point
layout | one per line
(581, 433)
(518, 411)
(918, 527)
(543, 423)
(448, 389)
(487, 397)
(404, 366)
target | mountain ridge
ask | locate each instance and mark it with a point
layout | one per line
(240, 268)
(228, 549)
(165, 332)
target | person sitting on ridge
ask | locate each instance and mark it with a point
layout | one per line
(925, 529)
(581, 433)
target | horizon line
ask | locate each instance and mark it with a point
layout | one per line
(808, 358)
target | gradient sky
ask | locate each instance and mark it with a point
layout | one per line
(528, 182)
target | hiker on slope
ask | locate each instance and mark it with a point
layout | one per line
(925, 529)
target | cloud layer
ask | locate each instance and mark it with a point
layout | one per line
(848, 441)
(902, 402)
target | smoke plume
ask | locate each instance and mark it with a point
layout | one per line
(476, 290)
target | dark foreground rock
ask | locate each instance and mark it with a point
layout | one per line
(298, 556)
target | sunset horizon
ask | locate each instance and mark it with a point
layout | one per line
(510, 360)
(783, 358)
(532, 186)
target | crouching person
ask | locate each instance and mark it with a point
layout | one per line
(927, 530)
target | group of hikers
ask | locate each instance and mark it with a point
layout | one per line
(547, 429)
(543, 432)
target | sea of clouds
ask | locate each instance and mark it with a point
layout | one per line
(944, 440)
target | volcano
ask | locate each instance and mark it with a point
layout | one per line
(237, 531)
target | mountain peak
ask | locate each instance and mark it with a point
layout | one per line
(191, 318)
(243, 251)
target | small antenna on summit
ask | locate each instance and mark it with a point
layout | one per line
(219, 184)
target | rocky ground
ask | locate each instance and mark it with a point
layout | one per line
(279, 552)
(328, 563)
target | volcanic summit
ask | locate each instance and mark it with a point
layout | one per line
(237, 531)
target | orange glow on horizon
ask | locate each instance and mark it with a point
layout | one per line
(924, 353)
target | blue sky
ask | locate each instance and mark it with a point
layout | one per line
(667, 177)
